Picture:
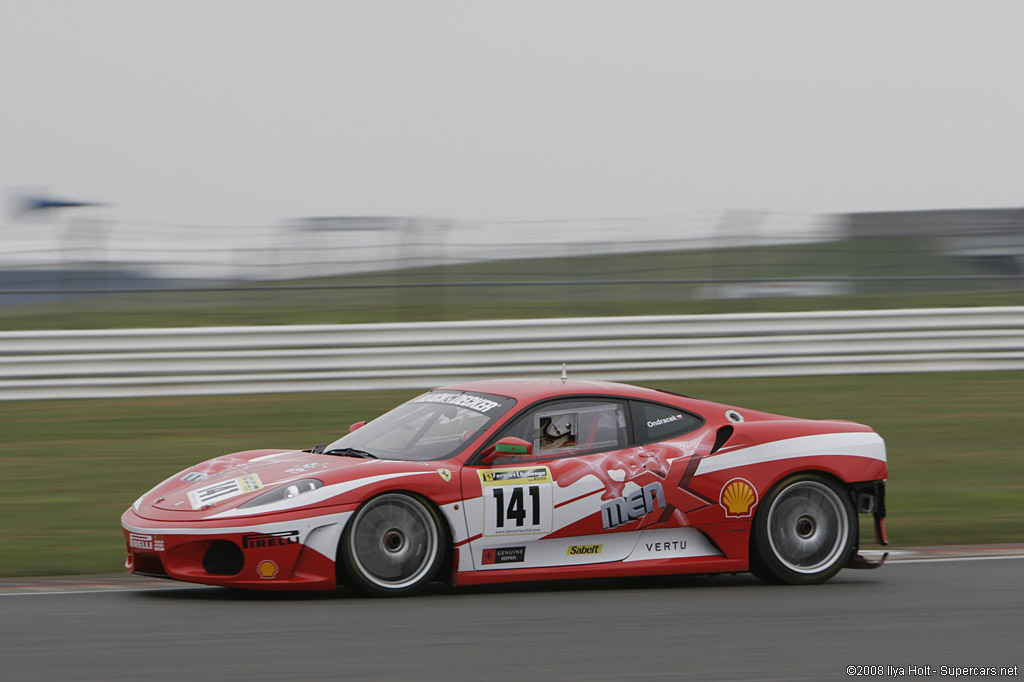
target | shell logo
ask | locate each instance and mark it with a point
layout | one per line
(267, 569)
(738, 498)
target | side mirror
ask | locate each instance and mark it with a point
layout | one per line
(357, 425)
(506, 447)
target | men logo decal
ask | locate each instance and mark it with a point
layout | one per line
(631, 507)
(738, 498)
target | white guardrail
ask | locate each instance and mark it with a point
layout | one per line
(233, 360)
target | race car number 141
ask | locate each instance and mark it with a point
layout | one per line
(517, 501)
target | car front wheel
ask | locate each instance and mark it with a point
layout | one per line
(393, 546)
(804, 532)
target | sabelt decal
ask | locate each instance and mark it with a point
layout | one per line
(517, 501)
(224, 490)
(738, 498)
(153, 543)
(504, 555)
(445, 474)
(264, 540)
(633, 506)
(194, 476)
(267, 569)
(577, 550)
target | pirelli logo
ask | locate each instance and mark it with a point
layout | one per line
(154, 543)
(264, 540)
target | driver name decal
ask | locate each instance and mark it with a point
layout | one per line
(471, 402)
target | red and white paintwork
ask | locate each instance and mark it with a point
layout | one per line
(691, 530)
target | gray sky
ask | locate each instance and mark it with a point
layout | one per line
(253, 112)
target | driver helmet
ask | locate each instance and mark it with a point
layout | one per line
(559, 426)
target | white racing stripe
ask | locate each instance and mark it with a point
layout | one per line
(319, 495)
(859, 444)
(275, 526)
(276, 454)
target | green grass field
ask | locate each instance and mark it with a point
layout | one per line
(509, 289)
(71, 467)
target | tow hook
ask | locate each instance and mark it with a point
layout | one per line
(859, 561)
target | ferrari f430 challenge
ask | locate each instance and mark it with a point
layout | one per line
(514, 480)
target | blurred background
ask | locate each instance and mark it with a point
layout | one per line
(75, 266)
(176, 173)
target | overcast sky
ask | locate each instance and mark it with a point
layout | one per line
(258, 111)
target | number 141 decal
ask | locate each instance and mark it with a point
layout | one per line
(517, 501)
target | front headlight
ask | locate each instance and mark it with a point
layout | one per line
(284, 492)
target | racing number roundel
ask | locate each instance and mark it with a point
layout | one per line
(517, 501)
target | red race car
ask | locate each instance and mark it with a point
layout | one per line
(512, 480)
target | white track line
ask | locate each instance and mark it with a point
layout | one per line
(953, 558)
(186, 586)
(111, 590)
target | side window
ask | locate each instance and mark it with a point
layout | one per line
(656, 422)
(562, 428)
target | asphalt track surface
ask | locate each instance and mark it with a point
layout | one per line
(912, 613)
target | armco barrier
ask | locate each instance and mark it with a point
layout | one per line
(226, 360)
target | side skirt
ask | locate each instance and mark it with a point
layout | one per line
(695, 565)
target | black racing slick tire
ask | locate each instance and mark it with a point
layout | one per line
(393, 546)
(804, 531)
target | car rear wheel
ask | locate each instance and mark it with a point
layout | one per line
(393, 546)
(804, 531)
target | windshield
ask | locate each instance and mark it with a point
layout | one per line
(435, 425)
